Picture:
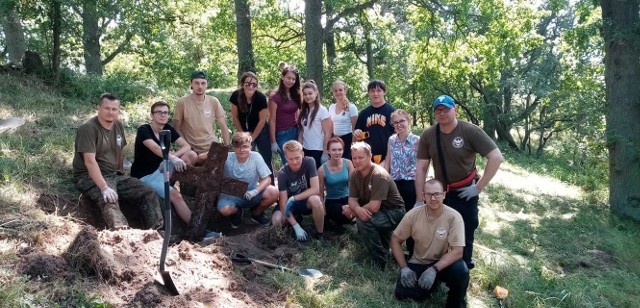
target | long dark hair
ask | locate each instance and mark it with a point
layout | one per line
(294, 92)
(304, 110)
(243, 103)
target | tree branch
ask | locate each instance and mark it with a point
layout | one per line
(118, 50)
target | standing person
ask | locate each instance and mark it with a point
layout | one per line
(314, 123)
(98, 168)
(375, 202)
(344, 115)
(374, 122)
(401, 160)
(284, 105)
(333, 176)
(451, 145)
(195, 114)
(298, 185)
(247, 166)
(249, 112)
(148, 157)
(439, 234)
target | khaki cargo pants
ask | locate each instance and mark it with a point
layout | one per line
(129, 189)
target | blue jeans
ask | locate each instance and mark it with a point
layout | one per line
(263, 145)
(282, 137)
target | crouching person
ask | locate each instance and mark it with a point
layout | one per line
(438, 231)
(248, 166)
(298, 185)
(98, 168)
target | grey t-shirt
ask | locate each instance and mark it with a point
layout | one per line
(250, 171)
(297, 182)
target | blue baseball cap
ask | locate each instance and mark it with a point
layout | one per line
(444, 100)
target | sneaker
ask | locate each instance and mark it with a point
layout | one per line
(210, 237)
(260, 219)
(318, 236)
(236, 220)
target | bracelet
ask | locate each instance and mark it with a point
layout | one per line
(436, 268)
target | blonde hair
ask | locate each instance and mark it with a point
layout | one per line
(292, 146)
(240, 138)
(402, 113)
(361, 145)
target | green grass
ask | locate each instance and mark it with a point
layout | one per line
(549, 250)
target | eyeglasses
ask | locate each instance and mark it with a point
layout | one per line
(403, 121)
(251, 84)
(437, 195)
(161, 112)
(441, 110)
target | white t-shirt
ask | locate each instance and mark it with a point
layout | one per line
(312, 135)
(342, 120)
(250, 171)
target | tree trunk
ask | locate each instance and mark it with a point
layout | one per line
(246, 61)
(313, 34)
(329, 37)
(56, 27)
(91, 37)
(621, 20)
(14, 35)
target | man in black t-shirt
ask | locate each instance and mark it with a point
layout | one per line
(374, 122)
(148, 156)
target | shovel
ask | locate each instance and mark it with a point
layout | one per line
(305, 272)
(165, 142)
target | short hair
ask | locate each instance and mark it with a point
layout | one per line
(434, 181)
(335, 140)
(292, 146)
(402, 113)
(240, 138)
(361, 145)
(376, 84)
(159, 104)
(109, 96)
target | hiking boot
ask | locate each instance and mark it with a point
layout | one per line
(260, 219)
(210, 237)
(318, 236)
(236, 220)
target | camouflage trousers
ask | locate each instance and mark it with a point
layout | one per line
(130, 190)
(376, 233)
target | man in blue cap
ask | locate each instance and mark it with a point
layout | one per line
(451, 145)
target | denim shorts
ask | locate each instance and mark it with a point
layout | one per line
(298, 207)
(239, 202)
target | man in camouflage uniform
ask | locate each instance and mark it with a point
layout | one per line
(375, 201)
(98, 173)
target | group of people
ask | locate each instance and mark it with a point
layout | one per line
(339, 164)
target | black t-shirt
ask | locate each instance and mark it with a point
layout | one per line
(377, 121)
(146, 162)
(249, 120)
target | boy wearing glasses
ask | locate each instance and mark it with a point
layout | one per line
(247, 166)
(148, 157)
(195, 115)
(438, 232)
(451, 145)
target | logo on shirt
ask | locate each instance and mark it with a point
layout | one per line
(457, 142)
(207, 113)
(119, 140)
(299, 185)
(441, 233)
(378, 119)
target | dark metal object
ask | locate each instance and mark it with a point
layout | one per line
(305, 272)
(165, 142)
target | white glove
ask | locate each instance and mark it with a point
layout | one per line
(290, 202)
(324, 158)
(469, 191)
(301, 235)
(418, 203)
(427, 278)
(251, 193)
(109, 195)
(274, 147)
(408, 277)
(179, 164)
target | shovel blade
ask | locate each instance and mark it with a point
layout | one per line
(167, 282)
(310, 272)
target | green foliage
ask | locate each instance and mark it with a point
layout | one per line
(127, 86)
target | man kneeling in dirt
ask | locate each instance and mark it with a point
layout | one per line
(248, 166)
(98, 168)
(438, 231)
